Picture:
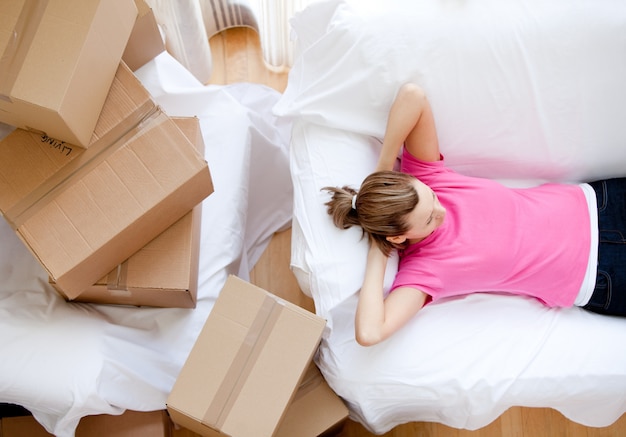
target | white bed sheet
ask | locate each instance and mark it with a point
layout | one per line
(522, 91)
(62, 360)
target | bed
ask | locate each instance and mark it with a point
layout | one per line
(63, 361)
(523, 91)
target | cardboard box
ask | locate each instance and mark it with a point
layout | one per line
(82, 212)
(164, 273)
(145, 41)
(57, 62)
(246, 364)
(129, 424)
(315, 410)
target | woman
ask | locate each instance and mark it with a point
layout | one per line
(458, 235)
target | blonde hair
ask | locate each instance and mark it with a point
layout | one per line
(382, 205)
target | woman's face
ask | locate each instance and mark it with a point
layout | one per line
(427, 215)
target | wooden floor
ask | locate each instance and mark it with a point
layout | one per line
(237, 57)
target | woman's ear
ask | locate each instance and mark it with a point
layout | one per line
(396, 239)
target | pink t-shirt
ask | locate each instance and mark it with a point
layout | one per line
(532, 241)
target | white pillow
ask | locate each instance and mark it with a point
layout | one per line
(520, 89)
(329, 263)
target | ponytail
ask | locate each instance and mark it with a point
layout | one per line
(340, 206)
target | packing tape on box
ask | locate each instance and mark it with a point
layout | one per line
(19, 44)
(243, 362)
(148, 114)
(117, 280)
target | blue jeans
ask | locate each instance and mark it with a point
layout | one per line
(609, 295)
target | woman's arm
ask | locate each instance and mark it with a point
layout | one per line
(411, 123)
(378, 318)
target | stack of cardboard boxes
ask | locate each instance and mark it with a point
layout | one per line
(105, 189)
(96, 170)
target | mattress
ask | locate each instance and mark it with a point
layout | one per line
(523, 92)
